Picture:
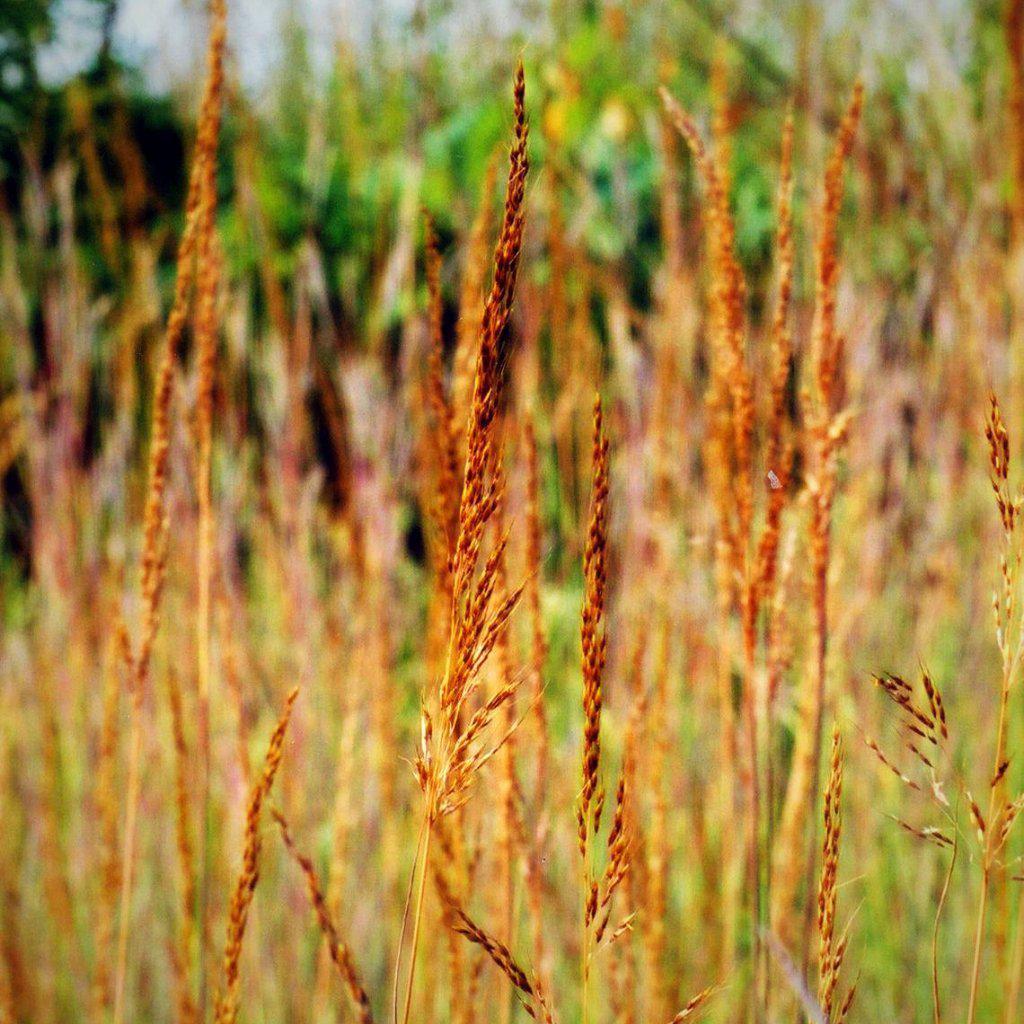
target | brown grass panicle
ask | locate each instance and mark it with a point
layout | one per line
(778, 458)
(226, 1011)
(155, 524)
(208, 273)
(832, 948)
(592, 636)
(827, 427)
(449, 759)
(196, 221)
(924, 735)
(477, 502)
(338, 950)
(745, 562)
(527, 988)
(472, 298)
(730, 393)
(1008, 505)
(598, 892)
(696, 1005)
(616, 867)
(993, 830)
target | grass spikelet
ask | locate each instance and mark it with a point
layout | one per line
(730, 393)
(496, 950)
(779, 451)
(695, 1006)
(831, 948)
(617, 866)
(593, 642)
(339, 951)
(826, 346)
(592, 636)
(226, 1011)
(529, 992)
(472, 296)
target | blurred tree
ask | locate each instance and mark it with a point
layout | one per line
(24, 25)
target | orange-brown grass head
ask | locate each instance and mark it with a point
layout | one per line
(152, 564)
(832, 948)
(778, 448)
(450, 758)
(472, 297)
(338, 950)
(592, 636)
(730, 394)
(827, 428)
(826, 343)
(617, 866)
(528, 989)
(695, 1006)
(245, 887)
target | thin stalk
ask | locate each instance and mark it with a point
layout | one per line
(417, 920)
(405, 919)
(979, 934)
(1016, 968)
(727, 797)
(754, 867)
(204, 567)
(821, 654)
(128, 859)
(203, 621)
(769, 829)
(978, 937)
(585, 949)
(935, 930)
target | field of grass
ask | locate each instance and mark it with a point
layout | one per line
(522, 527)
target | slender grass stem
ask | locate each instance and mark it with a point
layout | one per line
(417, 920)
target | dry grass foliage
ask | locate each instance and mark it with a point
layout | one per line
(582, 831)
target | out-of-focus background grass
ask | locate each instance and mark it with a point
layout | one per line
(343, 123)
